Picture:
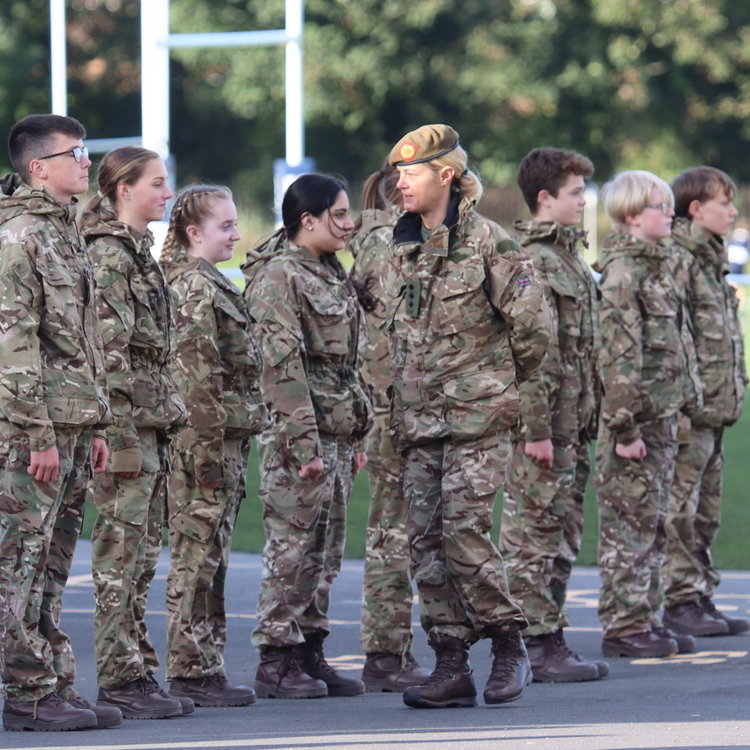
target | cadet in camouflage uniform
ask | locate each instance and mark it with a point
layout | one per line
(135, 310)
(387, 596)
(706, 213)
(647, 363)
(467, 322)
(53, 398)
(216, 370)
(311, 331)
(543, 503)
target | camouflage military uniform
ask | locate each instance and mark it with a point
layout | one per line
(52, 392)
(694, 508)
(216, 370)
(311, 332)
(648, 372)
(387, 593)
(543, 509)
(467, 321)
(135, 310)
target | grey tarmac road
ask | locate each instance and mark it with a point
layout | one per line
(700, 700)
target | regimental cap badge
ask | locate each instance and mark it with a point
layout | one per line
(407, 152)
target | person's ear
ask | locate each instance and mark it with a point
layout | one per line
(38, 169)
(694, 208)
(123, 191)
(543, 197)
(446, 175)
(193, 233)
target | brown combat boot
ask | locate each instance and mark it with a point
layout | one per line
(640, 645)
(450, 685)
(735, 624)
(279, 675)
(392, 673)
(211, 690)
(48, 714)
(553, 661)
(140, 699)
(685, 643)
(186, 704)
(313, 661)
(106, 716)
(691, 618)
(511, 669)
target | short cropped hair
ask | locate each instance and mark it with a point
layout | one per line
(31, 137)
(700, 184)
(629, 193)
(547, 169)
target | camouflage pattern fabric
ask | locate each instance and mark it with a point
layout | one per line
(632, 498)
(467, 321)
(302, 556)
(695, 504)
(649, 374)
(196, 626)
(543, 510)
(41, 522)
(311, 333)
(217, 368)
(451, 486)
(123, 561)
(387, 595)
(53, 381)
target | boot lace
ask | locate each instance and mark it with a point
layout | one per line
(562, 648)
(318, 661)
(448, 663)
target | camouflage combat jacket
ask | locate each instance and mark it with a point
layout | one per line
(218, 363)
(714, 313)
(647, 357)
(135, 311)
(561, 400)
(51, 365)
(467, 322)
(370, 245)
(312, 337)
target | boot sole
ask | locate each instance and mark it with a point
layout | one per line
(349, 692)
(267, 691)
(217, 702)
(21, 724)
(628, 653)
(386, 686)
(468, 702)
(561, 678)
(151, 713)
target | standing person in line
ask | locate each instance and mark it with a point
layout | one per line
(647, 362)
(52, 411)
(135, 312)
(387, 597)
(216, 368)
(543, 505)
(311, 331)
(467, 322)
(705, 215)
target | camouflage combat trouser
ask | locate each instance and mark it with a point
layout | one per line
(693, 517)
(387, 595)
(451, 488)
(632, 497)
(201, 522)
(305, 527)
(125, 544)
(541, 531)
(41, 524)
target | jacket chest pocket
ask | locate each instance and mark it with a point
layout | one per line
(326, 326)
(660, 325)
(235, 338)
(151, 313)
(62, 291)
(460, 302)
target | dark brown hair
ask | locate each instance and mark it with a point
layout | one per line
(700, 184)
(547, 169)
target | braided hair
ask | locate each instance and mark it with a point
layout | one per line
(191, 208)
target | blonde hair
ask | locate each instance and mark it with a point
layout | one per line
(191, 208)
(123, 164)
(465, 181)
(629, 193)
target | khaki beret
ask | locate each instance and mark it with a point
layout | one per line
(423, 144)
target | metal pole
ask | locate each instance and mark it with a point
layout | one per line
(58, 58)
(155, 75)
(295, 114)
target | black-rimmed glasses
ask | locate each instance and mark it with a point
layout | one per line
(79, 153)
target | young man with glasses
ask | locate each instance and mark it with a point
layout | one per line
(53, 402)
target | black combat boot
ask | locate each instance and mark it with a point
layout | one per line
(451, 684)
(392, 673)
(511, 669)
(313, 661)
(279, 675)
(553, 661)
(735, 624)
